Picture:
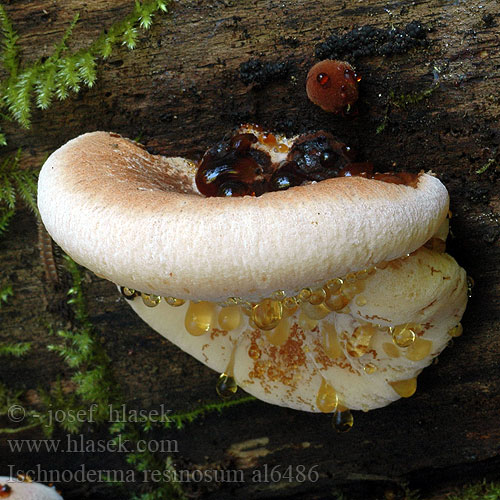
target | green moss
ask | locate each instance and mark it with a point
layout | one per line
(5, 293)
(479, 491)
(403, 101)
(16, 349)
(57, 76)
(63, 72)
(16, 184)
(486, 166)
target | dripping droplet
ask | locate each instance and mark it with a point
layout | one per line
(342, 420)
(129, 293)
(327, 398)
(333, 286)
(279, 335)
(315, 312)
(267, 314)
(317, 297)
(226, 386)
(150, 300)
(403, 336)
(200, 317)
(172, 301)
(456, 331)
(419, 350)
(230, 318)
(304, 294)
(405, 388)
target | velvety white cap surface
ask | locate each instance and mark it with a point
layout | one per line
(138, 220)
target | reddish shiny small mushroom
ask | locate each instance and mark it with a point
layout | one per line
(332, 85)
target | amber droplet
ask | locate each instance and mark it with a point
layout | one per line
(333, 286)
(150, 300)
(267, 314)
(405, 388)
(230, 318)
(391, 350)
(317, 297)
(254, 352)
(129, 293)
(315, 312)
(268, 139)
(172, 301)
(361, 301)
(306, 323)
(279, 335)
(336, 302)
(304, 294)
(327, 398)
(226, 386)
(342, 420)
(323, 79)
(403, 336)
(5, 491)
(200, 317)
(331, 344)
(456, 331)
(419, 350)
(370, 368)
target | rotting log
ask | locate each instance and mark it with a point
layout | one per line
(178, 92)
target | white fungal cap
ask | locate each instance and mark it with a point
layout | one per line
(320, 298)
(138, 220)
(22, 490)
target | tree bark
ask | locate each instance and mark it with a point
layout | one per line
(179, 92)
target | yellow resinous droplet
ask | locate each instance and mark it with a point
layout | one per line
(230, 318)
(403, 336)
(456, 331)
(267, 314)
(419, 350)
(342, 420)
(317, 297)
(331, 344)
(226, 386)
(319, 311)
(327, 399)
(172, 301)
(200, 317)
(150, 300)
(279, 335)
(405, 388)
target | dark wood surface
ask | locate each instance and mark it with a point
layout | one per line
(180, 91)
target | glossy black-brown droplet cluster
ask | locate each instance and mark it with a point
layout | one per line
(233, 168)
(237, 167)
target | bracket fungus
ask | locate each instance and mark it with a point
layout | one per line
(25, 489)
(327, 296)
